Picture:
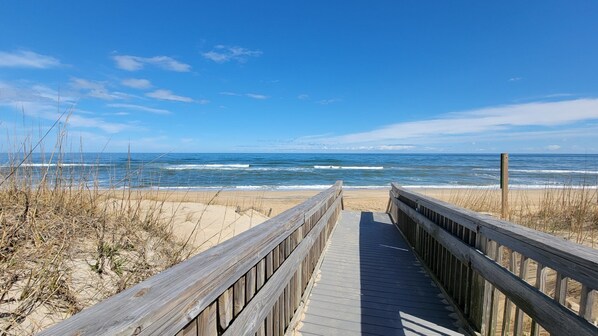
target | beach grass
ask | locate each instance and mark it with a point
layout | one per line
(568, 211)
(66, 244)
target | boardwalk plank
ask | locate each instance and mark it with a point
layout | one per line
(370, 283)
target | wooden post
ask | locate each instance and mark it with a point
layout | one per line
(504, 184)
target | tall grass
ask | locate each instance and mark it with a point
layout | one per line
(568, 211)
(66, 244)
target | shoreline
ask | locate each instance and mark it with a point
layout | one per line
(319, 188)
(273, 202)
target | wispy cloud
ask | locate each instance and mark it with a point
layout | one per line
(27, 59)
(140, 108)
(475, 123)
(223, 54)
(256, 96)
(46, 111)
(515, 79)
(303, 97)
(96, 89)
(134, 63)
(249, 95)
(328, 101)
(137, 83)
(10, 93)
(168, 95)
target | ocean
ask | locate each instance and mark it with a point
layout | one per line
(317, 171)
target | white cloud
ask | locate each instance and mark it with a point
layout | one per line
(97, 89)
(40, 102)
(10, 93)
(249, 95)
(168, 95)
(328, 101)
(515, 79)
(140, 108)
(27, 59)
(480, 122)
(303, 97)
(49, 112)
(553, 147)
(256, 96)
(223, 54)
(137, 83)
(134, 63)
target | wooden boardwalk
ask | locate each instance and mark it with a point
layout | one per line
(317, 270)
(370, 283)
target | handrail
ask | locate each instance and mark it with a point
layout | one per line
(481, 261)
(251, 283)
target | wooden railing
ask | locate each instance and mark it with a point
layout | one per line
(251, 284)
(486, 267)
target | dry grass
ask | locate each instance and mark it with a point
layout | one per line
(569, 212)
(65, 244)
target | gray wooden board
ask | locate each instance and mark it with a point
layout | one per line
(371, 283)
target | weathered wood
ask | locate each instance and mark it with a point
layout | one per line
(288, 310)
(167, 302)
(508, 305)
(490, 293)
(586, 303)
(250, 281)
(239, 296)
(560, 291)
(206, 322)
(260, 274)
(541, 286)
(572, 260)
(269, 265)
(495, 294)
(276, 318)
(189, 330)
(273, 291)
(518, 324)
(269, 323)
(281, 324)
(275, 258)
(225, 308)
(554, 318)
(261, 331)
(350, 298)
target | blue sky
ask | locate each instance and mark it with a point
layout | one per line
(308, 76)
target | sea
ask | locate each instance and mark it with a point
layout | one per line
(243, 171)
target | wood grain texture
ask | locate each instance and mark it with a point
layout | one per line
(167, 302)
(225, 308)
(552, 316)
(518, 324)
(250, 283)
(206, 322)
(572, 260)
(272, 293)
(586, 302)
(370, 283)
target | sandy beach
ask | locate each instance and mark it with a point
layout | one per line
(210, 217)
(274, 202)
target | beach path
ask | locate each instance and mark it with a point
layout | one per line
(370, 283)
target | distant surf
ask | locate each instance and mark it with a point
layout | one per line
(243, 171)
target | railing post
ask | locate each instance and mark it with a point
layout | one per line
(477, 294)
